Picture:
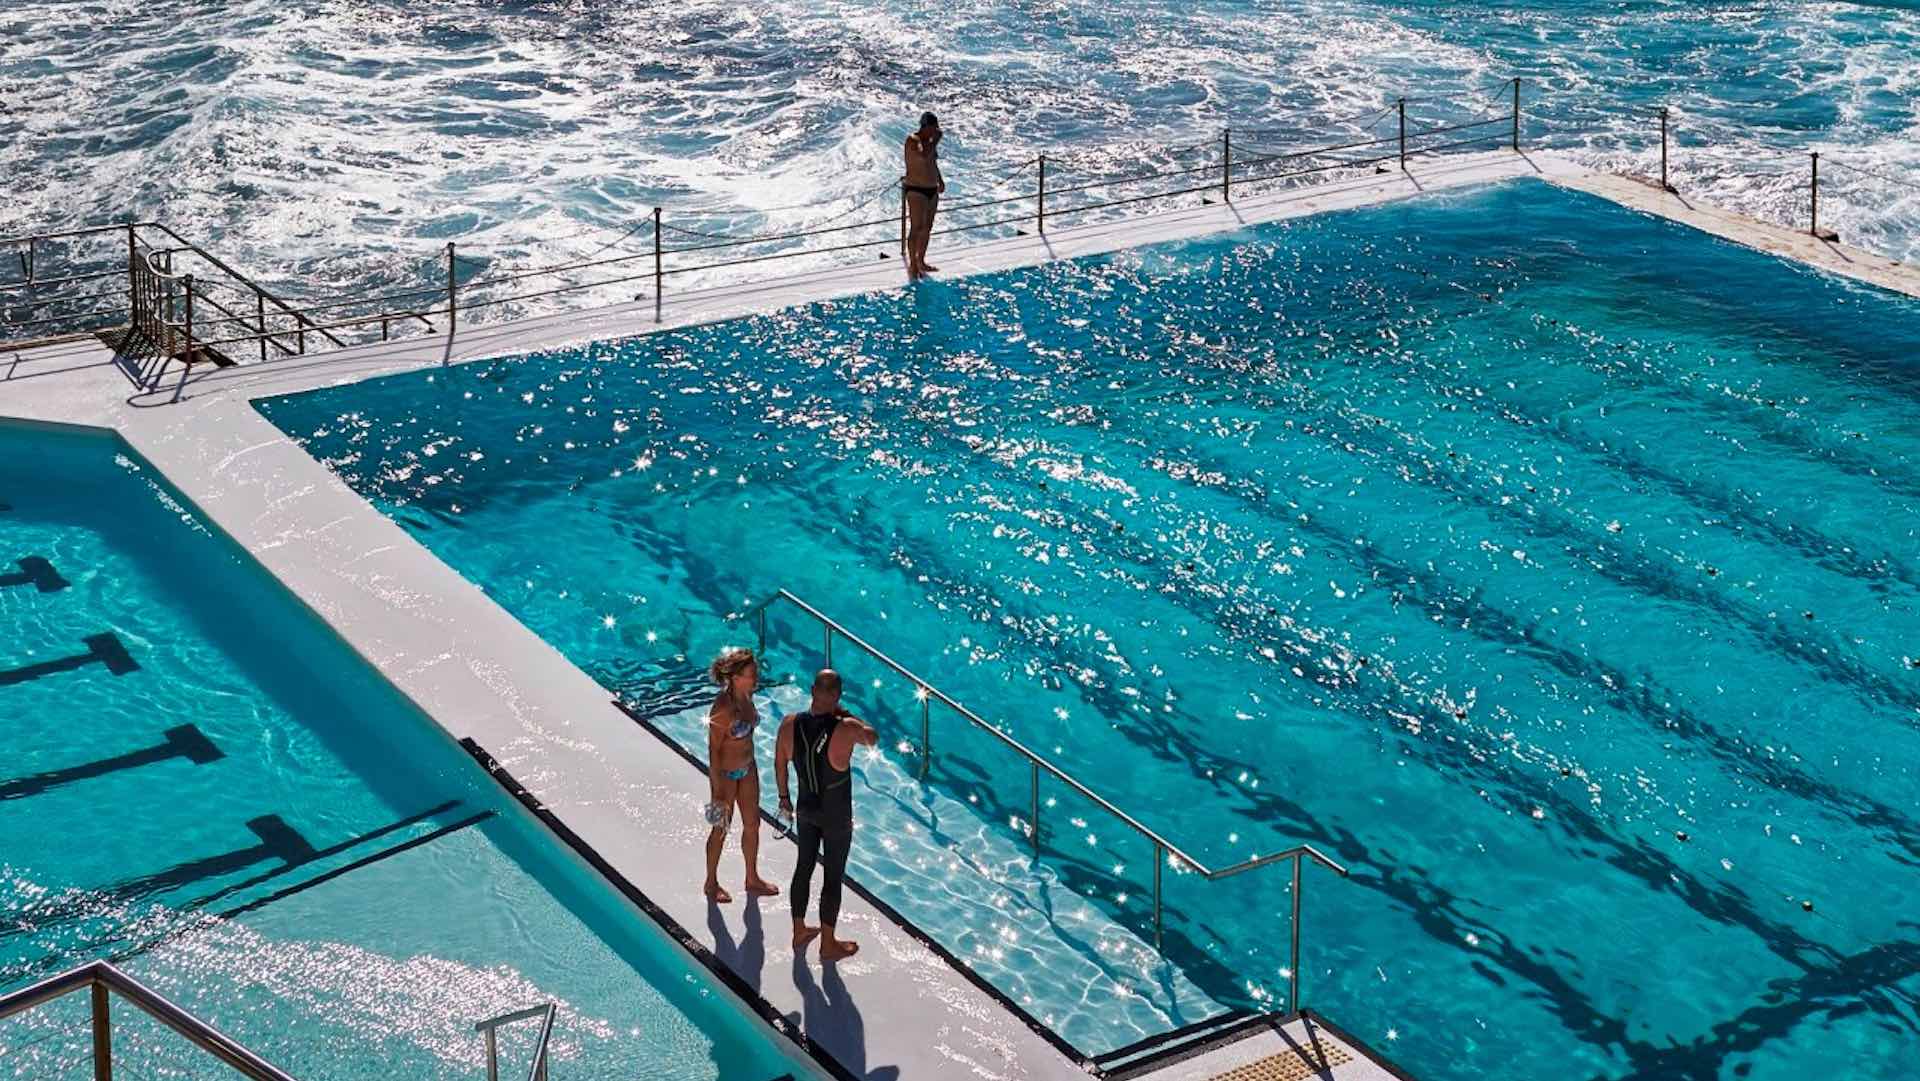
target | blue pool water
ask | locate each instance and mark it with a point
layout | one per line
(1549, 564)
(216, 795)
(330, 146)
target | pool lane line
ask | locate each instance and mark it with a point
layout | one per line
(278, 840)
(103, 649)
(364, 861)
(129, 952)
(35, 571)
(183, 741)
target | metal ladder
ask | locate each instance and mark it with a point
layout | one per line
(487, 1029)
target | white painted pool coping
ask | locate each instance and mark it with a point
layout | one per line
(481, 675)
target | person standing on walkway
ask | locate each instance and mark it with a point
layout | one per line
(820, 745)
(733, 771)
(923, 186)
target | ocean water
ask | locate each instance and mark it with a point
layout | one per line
(222, 800)
(330, 146)
(1549, 564)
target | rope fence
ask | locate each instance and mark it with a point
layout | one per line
(161, 295)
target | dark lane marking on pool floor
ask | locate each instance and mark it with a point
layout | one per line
(136, 935)
(101, 648)
(184, 741)
(38, 572)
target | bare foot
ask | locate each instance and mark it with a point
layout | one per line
(760, 887)
(803, 935)
(717, 895)
(835, 949)
(928, 268)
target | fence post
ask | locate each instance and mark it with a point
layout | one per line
(1226, 165)
(27, 262)
(1034, 822)
(1813, 197)
(260, 314)
(1516, 112)
(188, 282)
(1159, 859)
(1403, 134)
(452, 292)
(133, 279)
(1293, 967)
(1041, 220)
(1664, 185)
(102, 1034)
(658, 276)
(926, 732)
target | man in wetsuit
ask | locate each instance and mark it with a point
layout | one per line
(922, 189)
(820, 745)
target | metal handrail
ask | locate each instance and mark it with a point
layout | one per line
(1164, 849)
(538, 1070)
(101, 977)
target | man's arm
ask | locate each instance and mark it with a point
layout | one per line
(850, 732)
(782, 754)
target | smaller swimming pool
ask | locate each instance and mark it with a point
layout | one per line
(203, 785)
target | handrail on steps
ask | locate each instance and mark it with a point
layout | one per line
(102, 978)
(1164, 849)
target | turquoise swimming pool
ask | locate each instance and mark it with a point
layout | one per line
(200, 783)
(1549, 564)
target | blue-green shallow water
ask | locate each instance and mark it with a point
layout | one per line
(370, 957)
(1549, 564)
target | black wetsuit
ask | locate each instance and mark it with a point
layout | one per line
(824, 815)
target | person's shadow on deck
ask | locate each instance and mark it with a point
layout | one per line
(831, 1018)
(747, 956)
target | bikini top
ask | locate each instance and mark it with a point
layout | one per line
(742, 728)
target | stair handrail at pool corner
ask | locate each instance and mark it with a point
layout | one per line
(1164, 849)
(101, 977)
(538, 1070)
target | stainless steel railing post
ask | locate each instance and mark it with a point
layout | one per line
(260, 315)
(926, 732)
(1664, 185)
(1040, 220)
(1159, 858)
(187, 283)
(493, 1057)
(1403, 134)
(1293, 964)
(102, 1033)
(1516, 112)
(133, 278)
(659, 276)
(1226, 165)
(1033, 823)
(1813, 197)
(453, 296)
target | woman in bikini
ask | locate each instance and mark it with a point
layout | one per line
(921, 189)
(734, 770)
